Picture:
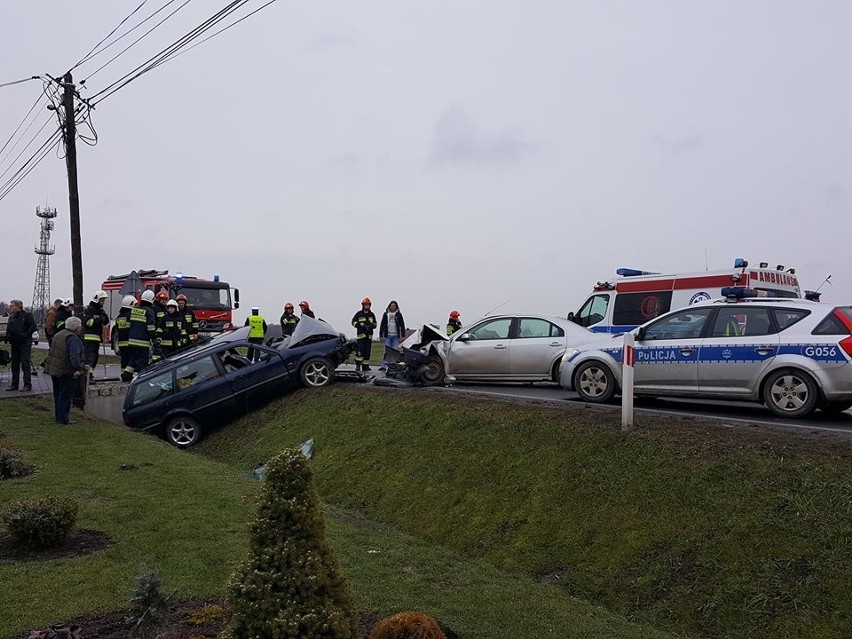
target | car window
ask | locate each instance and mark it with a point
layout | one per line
(196, 372)
(153, 389)
(831, 325)
(741, 321)
(534, 327)
(786, 317)
(688, 324)
(632, 309)
(593, 311)
(234, 358)
(494, 329)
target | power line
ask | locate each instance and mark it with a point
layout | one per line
(37, 100)
(29, 144)
(132, 44)
(8, 84)
(31, 163)
(92, 53)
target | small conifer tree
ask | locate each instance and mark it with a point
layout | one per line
(289, 586)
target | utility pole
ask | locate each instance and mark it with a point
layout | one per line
(73, 195)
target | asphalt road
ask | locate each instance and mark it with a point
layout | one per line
(730, 412)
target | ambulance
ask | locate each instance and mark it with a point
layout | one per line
(634, 297)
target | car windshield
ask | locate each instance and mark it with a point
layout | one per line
(309, 328)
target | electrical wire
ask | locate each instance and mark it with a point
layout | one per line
(92, 53)
(132, 44)
(34, 160)
(8, 84)
(29, 144)
(18, 128)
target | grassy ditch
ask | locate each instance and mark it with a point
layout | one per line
(185, 514)
(694, 527)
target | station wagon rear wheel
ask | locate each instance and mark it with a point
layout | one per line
(594, 382)
(183, 431)
(317, 372)
(790, 393)
(434, 373)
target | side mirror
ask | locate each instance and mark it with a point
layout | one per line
(570, 317)
(640, 334)
(464, 337)
(236, 298)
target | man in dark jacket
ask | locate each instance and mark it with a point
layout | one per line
(65, 310)
(19, 334)
(50, 320)
(65, 364)
(141, 334)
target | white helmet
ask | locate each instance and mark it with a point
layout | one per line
(128, 301)
(100, 295)
(148, 296)
(172, 303)
(67, 302)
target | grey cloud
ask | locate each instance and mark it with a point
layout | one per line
(679, 145)
(457, 139)
(326, 41)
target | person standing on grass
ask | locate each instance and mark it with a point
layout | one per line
(65, 364)
(19, 334)
(392, 329)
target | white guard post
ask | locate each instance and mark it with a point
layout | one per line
(628, 356)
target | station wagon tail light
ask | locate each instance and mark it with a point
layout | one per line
(843, 314)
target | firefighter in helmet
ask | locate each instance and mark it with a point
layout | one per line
(288, 320)
(94, 321)
(141, 336)
(365, 323)
(122, 329)
(159, 306)
(454, 323)
(170, 332)
(306, 308)
(190, 322)
(65, 310)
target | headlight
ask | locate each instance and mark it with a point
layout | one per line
(570, 354)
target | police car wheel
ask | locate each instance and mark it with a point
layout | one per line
(594, 382)
(835, 408)
(317, 372)
(183, 431)
(790, 393)
(434, 374)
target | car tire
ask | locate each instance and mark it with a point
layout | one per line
(835, 408)
(434, 374)
(317, 372)
(183, 431)
(790, 393)
(594, 382)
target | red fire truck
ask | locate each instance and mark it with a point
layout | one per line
(210, 299)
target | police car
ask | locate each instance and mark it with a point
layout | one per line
(791, 354)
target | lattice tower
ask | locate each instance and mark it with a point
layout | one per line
(41, 290)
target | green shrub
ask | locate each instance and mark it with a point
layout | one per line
(408, 625)
(289, 586)
(150, 606)
(12, 462)
(41, 523)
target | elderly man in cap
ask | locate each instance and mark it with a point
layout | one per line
(65, 363)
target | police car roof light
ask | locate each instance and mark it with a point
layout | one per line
(812, 296)
(740, 263)
(215, 278)
(632, 272)
(734, 293)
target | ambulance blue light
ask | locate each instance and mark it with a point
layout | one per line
(738, 292)
(740, 263)
(178, 276)
(215, 278)
(813, 296)
(632, 272)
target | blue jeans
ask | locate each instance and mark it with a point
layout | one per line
(63, 394)
(391, 341)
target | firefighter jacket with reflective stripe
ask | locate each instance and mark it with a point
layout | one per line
(453, 326)
(62, 314)
(364, 323)
(288, 323)
(143, 325)
(170, 331)
(159, 311)
(190, 322)
(122, 328)
(94, 320)
(258, 326)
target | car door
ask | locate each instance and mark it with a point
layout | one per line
(201, 388)
(666, 356)
(738, 348)
(481, 351)
(253, 382)
(536, 343)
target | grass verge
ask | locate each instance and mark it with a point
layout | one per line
(690, 526)
(185, 514)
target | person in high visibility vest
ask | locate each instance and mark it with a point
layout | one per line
(288, 320)
(365, 323)
(171, 332)
(190, 322)
(257, 332)
(454, 323)
(141, 335)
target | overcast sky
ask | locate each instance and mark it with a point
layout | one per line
(446, 154)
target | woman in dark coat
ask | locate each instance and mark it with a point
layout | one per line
(392, 329)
